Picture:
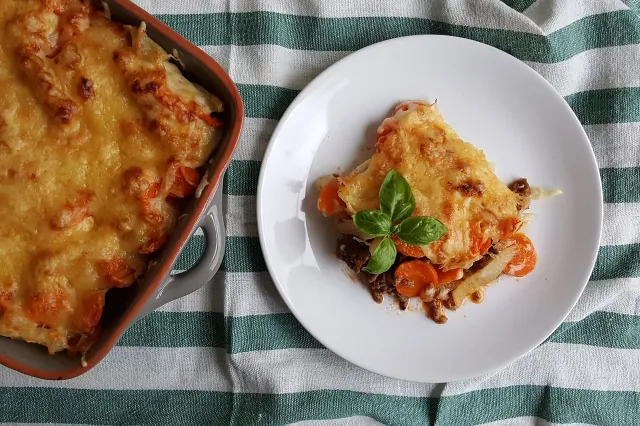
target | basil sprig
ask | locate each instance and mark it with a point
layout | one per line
(374, 223)
(397, 204)
(420, 230)
(382, 258)
(396, 198)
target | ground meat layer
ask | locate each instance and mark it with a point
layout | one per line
(356, 255)
(521, 187)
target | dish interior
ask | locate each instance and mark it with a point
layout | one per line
(120, 302)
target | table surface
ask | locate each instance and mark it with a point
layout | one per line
(232, 353)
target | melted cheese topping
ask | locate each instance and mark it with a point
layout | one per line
(538, 193)
(100, 138)
(451, 181)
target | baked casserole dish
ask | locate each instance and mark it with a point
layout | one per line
(109, 155)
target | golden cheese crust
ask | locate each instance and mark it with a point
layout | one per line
(451, 181)
(100, 138)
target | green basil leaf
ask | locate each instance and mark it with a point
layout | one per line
(421, 230)
(373, 223)
(396, 198)
(382, 258)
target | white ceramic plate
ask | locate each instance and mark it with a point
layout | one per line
(493, 101)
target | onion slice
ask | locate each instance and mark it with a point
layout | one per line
(482, 278)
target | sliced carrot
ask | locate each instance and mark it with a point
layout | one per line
(485, 247)
(329, 203)
(153, 245)
(211, 121)
(413, 276)
(445, 277)
(117, 272)
(92, 304)
(407, 249)
(152, 191)
(190, 175)
(185, 183)
(182, 189)
(525, 258)
(479, 245)
(508, 226)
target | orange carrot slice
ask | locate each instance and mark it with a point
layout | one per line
(92, 306)
(117, 272)
(190, 175)
(211, 121)
(525, 258)
(445, 277)
(479, 245)
(329, 203)
(407, 249)
(508, 226)
(152, 191)
(186, 182)
(413, 276)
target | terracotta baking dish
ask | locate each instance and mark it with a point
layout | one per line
(124, 306)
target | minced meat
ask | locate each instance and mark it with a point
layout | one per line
(356, 255)
(523, 190)
(380, 285)
(521, 187)
(352, 252)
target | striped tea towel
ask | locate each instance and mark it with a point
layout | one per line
(232, 354)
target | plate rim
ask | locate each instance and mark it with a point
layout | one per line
(310, 87)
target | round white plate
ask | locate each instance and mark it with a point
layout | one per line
(493, 101)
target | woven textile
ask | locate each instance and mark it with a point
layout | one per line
(232, 354)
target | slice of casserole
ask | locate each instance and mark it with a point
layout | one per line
(451, 181)
(101, 139)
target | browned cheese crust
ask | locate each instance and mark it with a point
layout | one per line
(100, 138)
(450, 179)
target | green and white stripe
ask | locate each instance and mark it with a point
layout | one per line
(232, 353)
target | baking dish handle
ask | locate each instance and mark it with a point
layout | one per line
(176, 286)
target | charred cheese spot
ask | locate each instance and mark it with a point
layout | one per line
(470, 188)
(98, 133)
(86, 88)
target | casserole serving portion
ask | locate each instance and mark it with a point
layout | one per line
(426, 216)
(103, 143)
